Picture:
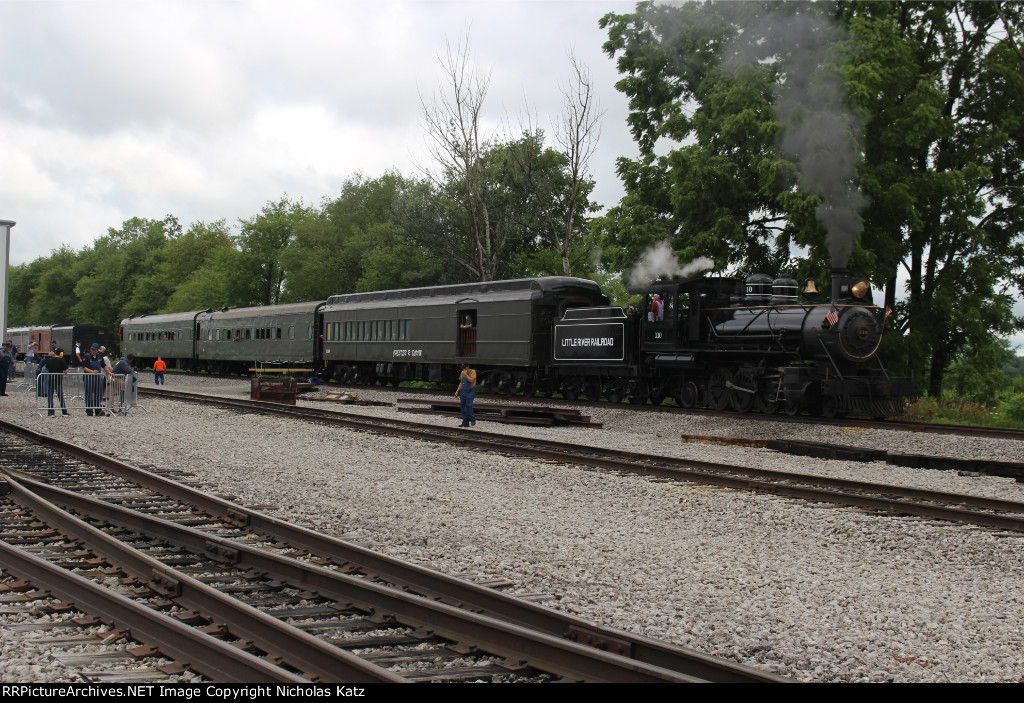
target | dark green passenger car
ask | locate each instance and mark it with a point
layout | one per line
(502, 328)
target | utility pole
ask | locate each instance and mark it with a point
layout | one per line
(5, 240)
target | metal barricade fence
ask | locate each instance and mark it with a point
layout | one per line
(95, 393)
(28, 381)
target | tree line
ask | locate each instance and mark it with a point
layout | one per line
(773, 136)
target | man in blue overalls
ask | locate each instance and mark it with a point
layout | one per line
(95, 370)
(466, 393)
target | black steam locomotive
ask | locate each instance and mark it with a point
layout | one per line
(750, 345)
(722, 342)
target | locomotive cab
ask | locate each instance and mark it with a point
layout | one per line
(683, 305)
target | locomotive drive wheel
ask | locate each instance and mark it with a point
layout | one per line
(766, 403)
(718, 388)
(741, 395)
(767, 399)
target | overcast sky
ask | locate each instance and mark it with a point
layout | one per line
(207, 110)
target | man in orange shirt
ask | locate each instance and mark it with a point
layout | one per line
(159, 366)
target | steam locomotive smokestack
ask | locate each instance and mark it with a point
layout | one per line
(840, 283)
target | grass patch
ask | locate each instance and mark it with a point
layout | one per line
(1009, 413)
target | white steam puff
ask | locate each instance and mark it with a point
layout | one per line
(659, 261)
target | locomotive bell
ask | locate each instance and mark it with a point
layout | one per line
(811, 287)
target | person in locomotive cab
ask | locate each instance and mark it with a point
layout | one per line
(466, 393)
(657, 309)
(467, 323)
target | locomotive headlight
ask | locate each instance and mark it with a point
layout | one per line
(861, 288)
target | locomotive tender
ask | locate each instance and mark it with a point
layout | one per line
(718, 341)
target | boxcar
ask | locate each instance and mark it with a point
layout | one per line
(502, 327)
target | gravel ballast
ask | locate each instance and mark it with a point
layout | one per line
(818, 593)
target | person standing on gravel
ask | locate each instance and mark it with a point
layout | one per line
(159, 366)
(131, 377)
(95, 371)
(466, 393)
(56, 365)
(6, 361)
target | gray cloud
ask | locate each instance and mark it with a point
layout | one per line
(207, 110)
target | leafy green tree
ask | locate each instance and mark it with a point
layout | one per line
(109, 272)
(945, 82)
(523, 198)
(331, 252)
(547, 199)
(979, 375)
(393, 264)
(196, 270)
(219, 282)
(22, 280)
(262, 242)
(53, 293)
(768, 126)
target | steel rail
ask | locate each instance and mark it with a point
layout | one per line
(301, 650)
(175, 640)
(540, 650)
(427, 582)
(812, 487)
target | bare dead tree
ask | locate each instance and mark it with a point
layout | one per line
(452, 122)
(560, 202)
(577, 133)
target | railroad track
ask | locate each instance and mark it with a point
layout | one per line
(1006, 469)
(897, 500)
(894, 424)
(80, 646)
(263, 588)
